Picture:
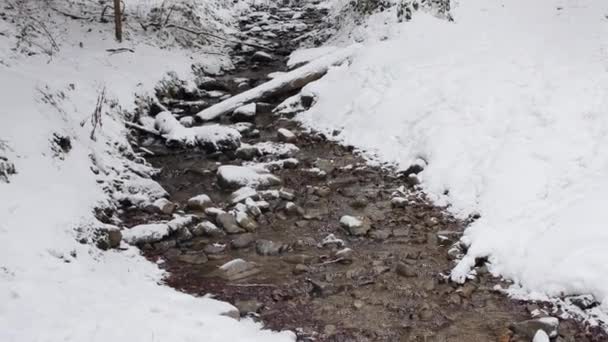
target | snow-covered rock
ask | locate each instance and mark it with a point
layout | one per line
(146, 233)
(355, 226)
(232, 176)
(286, 135)
(245, 113)
(200, 202)
(262, 57)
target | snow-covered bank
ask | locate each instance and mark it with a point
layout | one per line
(508, 106)
(51, 286)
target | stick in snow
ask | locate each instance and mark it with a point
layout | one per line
(289, 81)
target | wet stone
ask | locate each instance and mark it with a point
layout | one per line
(215, 248)
(380, 234)
(242, 241)
(301, 269)
(405, 270)
(267, 248)
(193, 258)
(527, 329)
(238, 269)
(247, 152)
(229, 224)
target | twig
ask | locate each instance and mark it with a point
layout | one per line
(96, 117)
(69, 15)
(169, 15)
(252, 285)
(157, 102)
(142, 128)
(119, 50)
(331, 261)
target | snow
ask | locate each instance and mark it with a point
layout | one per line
(507, 104)
(247, 110)
(541, 336)
(52, 287)
(302, 56)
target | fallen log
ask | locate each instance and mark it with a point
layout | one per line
(292, 80)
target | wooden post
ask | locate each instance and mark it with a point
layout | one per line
(118, 20)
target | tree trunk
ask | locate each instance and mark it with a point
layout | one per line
(118, 20)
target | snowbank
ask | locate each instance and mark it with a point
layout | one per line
(52, 287)
(508, 107)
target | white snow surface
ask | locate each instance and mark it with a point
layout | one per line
(508, 106)
(53, 288)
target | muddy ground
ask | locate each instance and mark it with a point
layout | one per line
(390, 284)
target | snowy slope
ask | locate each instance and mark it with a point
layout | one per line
(52, 287)
(508, 104)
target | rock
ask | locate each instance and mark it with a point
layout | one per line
(252, 207)
(301, 269)
(332, 241)
(262, 57)
(248, 306)
(286, 195)
(322, 191)
(401, 232)
(247, 152)
(213, 212)
(267, 248)
(209, 83)
(358, 304)
(413, 179)
(242, 241)
(246, 222)
(197, 258)
(165, 245)
(290, 163)
(355, 226)
(184, 234)
(200, 202)
(215, 248)
(208, 229)
(114, 238)
(527, 329)
(292, 209)
(187, 121)
(380, 234)
(405, 270)
(238, 269)
(232, 313)
(329, 329)
(242, 194)
(359, 203)
(165, 206)
(228, 223)
(399, 202)
(286, 135)
(172, 253)
(346, 255)
(244, 113)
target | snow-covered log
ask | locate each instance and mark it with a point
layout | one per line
(210, 137)
(289, 81)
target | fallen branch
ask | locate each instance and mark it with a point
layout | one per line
(119, 50)
(142, 128)
(69, 15)
(205, 33)
(290, 81)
